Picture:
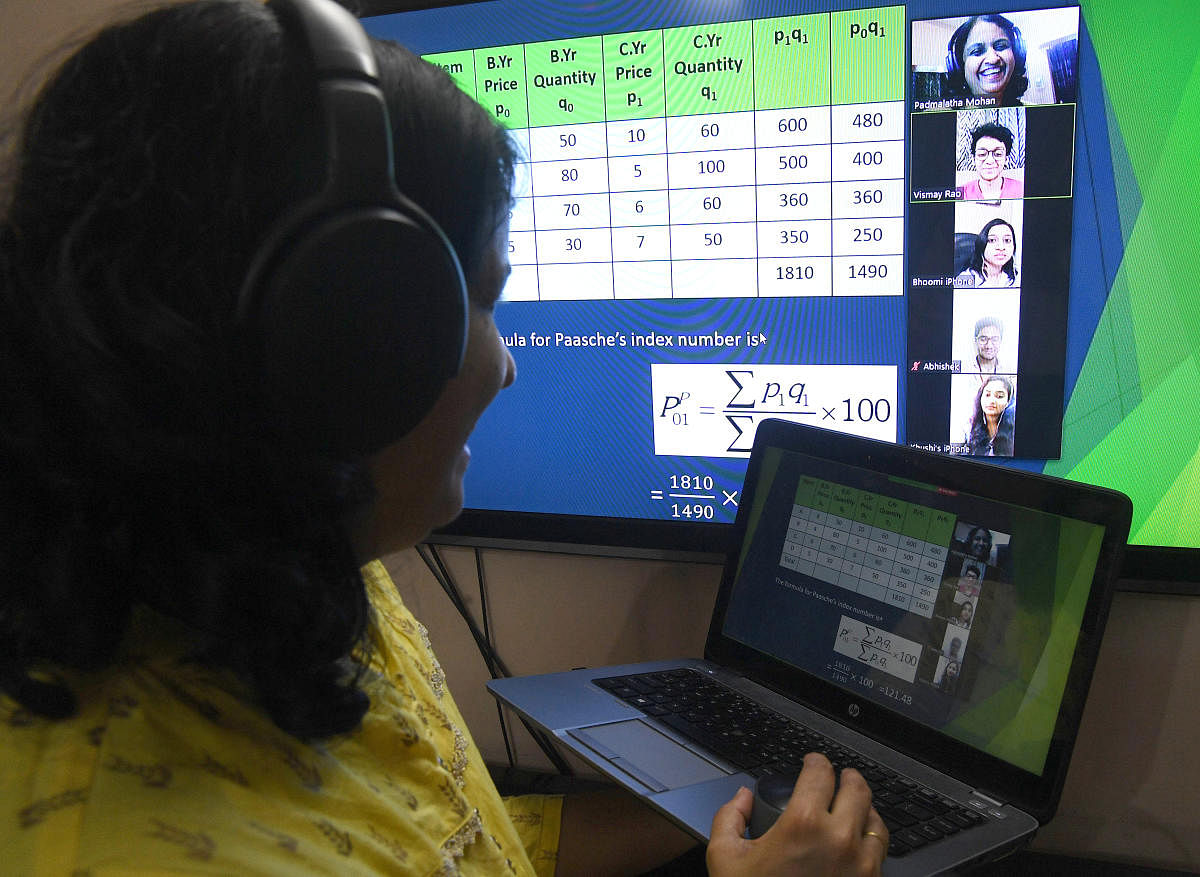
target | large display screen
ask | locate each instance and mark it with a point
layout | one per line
(936, 223)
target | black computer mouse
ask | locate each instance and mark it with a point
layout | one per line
(771, 795)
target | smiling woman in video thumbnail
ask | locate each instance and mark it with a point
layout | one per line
(986, 58)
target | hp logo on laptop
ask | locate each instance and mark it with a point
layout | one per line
(853, 710)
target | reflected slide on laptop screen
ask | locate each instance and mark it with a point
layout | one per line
(958, 612)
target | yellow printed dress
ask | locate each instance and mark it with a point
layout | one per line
(166, 770)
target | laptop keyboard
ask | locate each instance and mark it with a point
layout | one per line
(760, 741)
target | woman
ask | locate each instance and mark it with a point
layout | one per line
(990, 432)
(990, 147)
(985, 57)
(949, 677)
(965, 611)
(979, 544)
(196, 672)
(993, 263)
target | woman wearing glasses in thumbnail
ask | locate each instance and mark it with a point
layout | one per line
(203, 669)
(991, 145)
(993, 262)
(986, 58)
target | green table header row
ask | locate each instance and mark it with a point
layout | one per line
(769, 63)
(888, 513)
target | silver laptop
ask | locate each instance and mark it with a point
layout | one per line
(931, 620)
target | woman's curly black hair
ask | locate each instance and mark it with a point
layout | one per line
(136, 463)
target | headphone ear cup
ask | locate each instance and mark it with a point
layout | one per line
(951, 59)
(1018, 42)
(363, 319)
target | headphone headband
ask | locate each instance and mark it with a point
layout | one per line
(355, 298)
(358, 133)
(335, 40)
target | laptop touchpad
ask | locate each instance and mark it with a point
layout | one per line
(646, 754)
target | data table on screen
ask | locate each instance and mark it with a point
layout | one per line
(886, 549)
(760, 158)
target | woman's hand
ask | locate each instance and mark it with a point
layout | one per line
(818, 833)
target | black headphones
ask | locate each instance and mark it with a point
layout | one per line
(355, 297)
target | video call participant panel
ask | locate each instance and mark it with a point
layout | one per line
(1022, 58)
(992, 154)
(992, 127)
(1027, 297)
(946, 669)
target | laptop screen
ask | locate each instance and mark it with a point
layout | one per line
(959, 612)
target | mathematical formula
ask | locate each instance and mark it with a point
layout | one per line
(713, 410)
(878, 648)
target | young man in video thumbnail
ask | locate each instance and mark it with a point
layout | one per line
(990, 146)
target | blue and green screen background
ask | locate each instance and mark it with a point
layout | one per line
(1131, 415)
(550, 447)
